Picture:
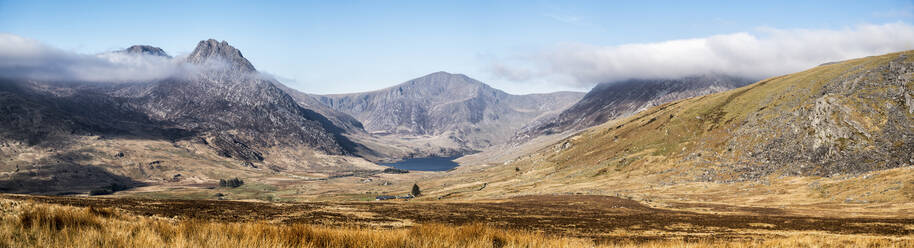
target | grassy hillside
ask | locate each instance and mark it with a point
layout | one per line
(858, 110)
(806, 136)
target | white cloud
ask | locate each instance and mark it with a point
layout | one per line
(24, 58)
(766, 52)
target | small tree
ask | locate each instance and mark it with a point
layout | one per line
(416, 191)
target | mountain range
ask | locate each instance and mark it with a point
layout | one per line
(221, 109)
(221, 118)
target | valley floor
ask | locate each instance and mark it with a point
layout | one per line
(528, 221)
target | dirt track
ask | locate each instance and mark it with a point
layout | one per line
(598, 217)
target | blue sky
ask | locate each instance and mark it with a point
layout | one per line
(343, 46)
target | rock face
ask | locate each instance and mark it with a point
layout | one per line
(454, 106)
(855, 122)
(609, 101)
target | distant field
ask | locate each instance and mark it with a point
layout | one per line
(562, 220)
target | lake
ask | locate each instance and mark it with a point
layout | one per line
(425, 164)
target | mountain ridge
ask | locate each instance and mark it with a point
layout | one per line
(607, 101)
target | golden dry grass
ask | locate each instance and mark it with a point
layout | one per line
(29, 224)
(43, 225)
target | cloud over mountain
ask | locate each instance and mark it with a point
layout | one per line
(24, 58)
(766, 52)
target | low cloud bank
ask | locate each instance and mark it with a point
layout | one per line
(23, 58)
(767, 52)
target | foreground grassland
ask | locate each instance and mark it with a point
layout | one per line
(27, 221)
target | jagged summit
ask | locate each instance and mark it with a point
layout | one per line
(212, 49)
(147, 50)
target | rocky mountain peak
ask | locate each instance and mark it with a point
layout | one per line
(444, 74)
(461, 113)
(441, 82)
(446, 77)
(146, 50)
(210, 49)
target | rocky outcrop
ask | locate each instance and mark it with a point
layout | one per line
(228, 145)
(857, 122)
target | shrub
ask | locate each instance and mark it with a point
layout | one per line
(230, 183)
(395, 171)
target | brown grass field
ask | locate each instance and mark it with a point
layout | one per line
(532, 221)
